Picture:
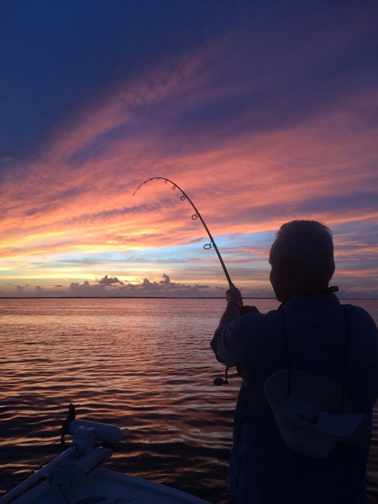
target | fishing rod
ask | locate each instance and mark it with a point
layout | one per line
(195, 216)
(217, 381)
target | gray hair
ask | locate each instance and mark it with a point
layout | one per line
(309, 245)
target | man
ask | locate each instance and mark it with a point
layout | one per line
(263, 469)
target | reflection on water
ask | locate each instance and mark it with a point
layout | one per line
(144, 365)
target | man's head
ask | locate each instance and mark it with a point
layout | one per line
(302, 259)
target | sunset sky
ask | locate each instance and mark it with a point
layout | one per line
(262, 111)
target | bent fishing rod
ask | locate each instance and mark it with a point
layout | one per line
(207, 246)
(195, 216)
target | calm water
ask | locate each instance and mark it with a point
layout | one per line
(144, 365)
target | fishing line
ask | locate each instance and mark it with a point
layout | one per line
(207, 246)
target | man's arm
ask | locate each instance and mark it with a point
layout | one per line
(235, 306)
(226, 343)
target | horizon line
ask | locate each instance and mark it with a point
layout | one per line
(157, 297)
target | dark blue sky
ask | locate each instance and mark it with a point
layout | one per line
(58, 57)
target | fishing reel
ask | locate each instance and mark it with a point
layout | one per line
(221, 381)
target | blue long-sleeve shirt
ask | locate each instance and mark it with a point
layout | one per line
(263, 469)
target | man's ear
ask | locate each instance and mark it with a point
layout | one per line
(287, 268)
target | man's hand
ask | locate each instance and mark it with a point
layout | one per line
(234, 305)
(249, 309)
(233, 295)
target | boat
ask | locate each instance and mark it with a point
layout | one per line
(76, 476)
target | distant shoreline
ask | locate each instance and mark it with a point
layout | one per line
(158, 297)
(123, 297)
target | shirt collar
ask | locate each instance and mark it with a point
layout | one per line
(328, 299)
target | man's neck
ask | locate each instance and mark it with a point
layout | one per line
(313, 290)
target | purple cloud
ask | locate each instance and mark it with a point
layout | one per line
(109, 281)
